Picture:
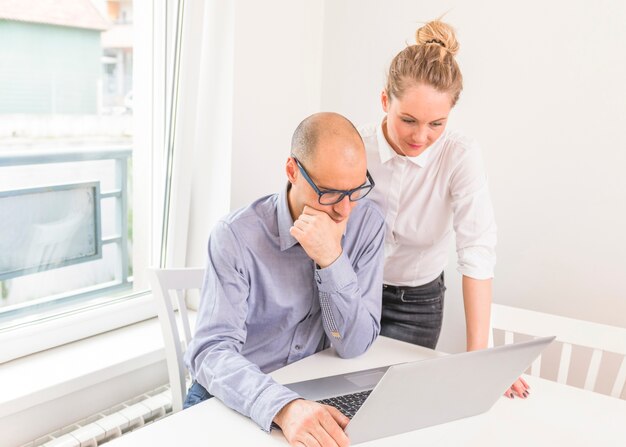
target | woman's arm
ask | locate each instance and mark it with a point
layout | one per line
(477, 301)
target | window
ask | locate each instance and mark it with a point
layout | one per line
(77, 144)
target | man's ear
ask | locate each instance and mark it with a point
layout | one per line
(292, 170)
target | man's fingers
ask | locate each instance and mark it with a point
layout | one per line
(333, 423)
(296, 232)
(311, 424)
(308, 218)
(338, 416)
(309, 211)
(324, 437)
(309, 440)
(300, 224)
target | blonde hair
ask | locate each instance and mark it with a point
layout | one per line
(430, 61)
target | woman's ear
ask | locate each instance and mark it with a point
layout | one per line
(384, 100)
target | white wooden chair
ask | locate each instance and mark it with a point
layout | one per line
(169, 287)
(570, 332)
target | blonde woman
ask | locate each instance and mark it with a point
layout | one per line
(431, 184)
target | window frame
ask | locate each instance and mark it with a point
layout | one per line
(150, 90)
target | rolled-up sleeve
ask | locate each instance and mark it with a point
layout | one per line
(350, 290)
(473, 217)
(214, 356)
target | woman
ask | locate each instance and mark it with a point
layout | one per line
(429, 181)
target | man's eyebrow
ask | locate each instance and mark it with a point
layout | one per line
(323, 188)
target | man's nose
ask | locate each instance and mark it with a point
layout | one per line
(344, 207)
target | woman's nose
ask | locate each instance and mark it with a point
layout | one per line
(420, 135)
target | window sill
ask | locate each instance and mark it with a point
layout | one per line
(48, 390)
(66, 328)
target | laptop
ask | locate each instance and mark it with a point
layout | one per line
(399, 398)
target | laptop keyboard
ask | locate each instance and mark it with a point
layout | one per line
(347, 404)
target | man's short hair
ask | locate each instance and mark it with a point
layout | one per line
(308, 133)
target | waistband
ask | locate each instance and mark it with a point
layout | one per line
(405, 288)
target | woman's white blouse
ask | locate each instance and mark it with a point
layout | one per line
(424, 198)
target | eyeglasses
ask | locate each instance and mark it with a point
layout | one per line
(333, 196)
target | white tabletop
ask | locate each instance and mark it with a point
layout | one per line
(554, 414)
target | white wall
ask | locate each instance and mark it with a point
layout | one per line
(545, 96)
(278, 49)
(262, 77)
(211, 179)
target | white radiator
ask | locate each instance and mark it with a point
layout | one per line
(102, 427)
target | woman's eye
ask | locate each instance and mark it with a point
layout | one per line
(436, 124)
(408, 120)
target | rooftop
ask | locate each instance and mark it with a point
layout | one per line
(70, 13)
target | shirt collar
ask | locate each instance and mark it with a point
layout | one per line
(385, 150)
(285, 222)
(387, 153)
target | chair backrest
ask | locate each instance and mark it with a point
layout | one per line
(169, 287)
(570, 332)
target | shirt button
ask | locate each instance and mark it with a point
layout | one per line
(298, 347)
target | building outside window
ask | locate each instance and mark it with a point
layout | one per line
(68, 158)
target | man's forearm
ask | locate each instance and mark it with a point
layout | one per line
(351, 317)
(240, 384)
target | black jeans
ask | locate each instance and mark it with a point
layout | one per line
(414, 314)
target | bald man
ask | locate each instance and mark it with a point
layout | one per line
(287, 276)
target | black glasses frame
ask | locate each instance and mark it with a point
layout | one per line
(363, 190)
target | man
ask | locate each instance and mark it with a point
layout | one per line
(288, 275)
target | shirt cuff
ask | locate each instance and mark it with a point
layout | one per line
(269, 403)
(336, 275)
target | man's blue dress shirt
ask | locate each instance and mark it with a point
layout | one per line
(265, 305)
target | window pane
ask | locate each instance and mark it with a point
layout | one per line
(66, 135)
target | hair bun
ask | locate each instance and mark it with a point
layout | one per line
(438, 33)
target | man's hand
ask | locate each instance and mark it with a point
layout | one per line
(319, 235)
(519, 388)
(310, 424)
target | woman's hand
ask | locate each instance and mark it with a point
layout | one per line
(520, 389)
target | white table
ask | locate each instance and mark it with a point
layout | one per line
(553, 415)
